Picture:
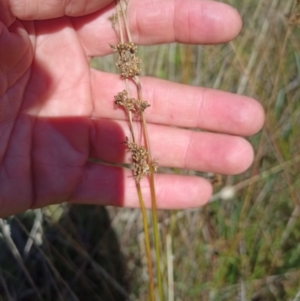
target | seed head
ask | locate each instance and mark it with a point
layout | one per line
(127, 62)
(130, 104)
(139, 157)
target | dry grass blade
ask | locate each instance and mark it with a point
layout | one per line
(11, 245)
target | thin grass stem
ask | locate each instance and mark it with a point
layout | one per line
(153, 195)
(126, 23)
(150, 163)
(119, 23)
(147, 242)
(140, 196)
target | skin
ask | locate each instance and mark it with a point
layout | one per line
(56, 112)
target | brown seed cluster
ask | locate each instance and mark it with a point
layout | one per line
(139, 157)
(130, 104)
(123, 47)
(113, 19)
(127, 61)
(295, 19)
(121, 99)
(141, 106)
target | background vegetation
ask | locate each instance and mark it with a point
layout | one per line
(244, 245)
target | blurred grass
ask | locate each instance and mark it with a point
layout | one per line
(242, 248)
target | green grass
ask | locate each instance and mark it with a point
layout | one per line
(245, 248)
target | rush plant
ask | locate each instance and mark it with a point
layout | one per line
(143, 164)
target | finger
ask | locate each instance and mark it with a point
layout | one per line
(181, 105)
(41, 9)
(107, 185)
(154, 22)
(175, 147)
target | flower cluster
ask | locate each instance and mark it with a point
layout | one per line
(139, 157)
(130, 104)
(127, 61)
(113, 19)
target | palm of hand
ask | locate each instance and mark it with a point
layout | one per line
(45, 145)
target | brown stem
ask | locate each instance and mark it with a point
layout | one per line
(119, 22)
(125, 22)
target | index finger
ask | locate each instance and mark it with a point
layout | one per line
(156, 21)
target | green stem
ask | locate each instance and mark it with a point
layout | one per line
(145, 220)
(156, 234)
(145, 225)
(153, 196)
(152, 186)
(147, 242)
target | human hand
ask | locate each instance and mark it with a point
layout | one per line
(56, 112)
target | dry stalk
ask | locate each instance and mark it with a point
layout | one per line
(143, 164)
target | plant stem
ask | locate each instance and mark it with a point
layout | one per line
(138, 186)
(119, 23)
(153, 195)
(151, 173)
(126, 23)
(147, 242)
